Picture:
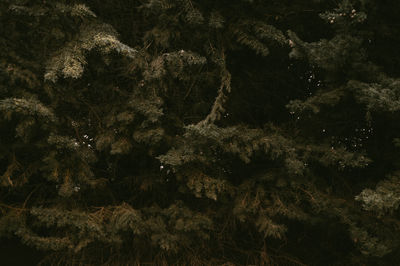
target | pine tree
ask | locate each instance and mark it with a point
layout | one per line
(200, 132)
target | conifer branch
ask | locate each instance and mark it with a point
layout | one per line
(217, 108)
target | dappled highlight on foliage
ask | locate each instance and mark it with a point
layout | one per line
(184, 132)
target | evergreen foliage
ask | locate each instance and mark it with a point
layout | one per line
(189, 132)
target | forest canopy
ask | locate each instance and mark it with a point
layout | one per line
(187, 132)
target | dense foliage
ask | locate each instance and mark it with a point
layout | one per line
(190, 132)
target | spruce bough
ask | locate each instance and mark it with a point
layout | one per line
(200, 132)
